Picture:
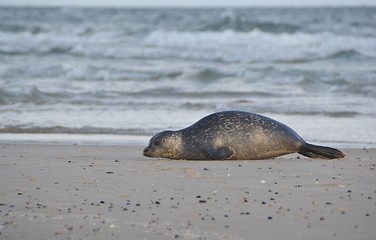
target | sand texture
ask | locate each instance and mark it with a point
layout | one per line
(113, 192)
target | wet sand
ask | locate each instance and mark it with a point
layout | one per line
(113, 192)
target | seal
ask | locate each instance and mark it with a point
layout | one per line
(234, 135)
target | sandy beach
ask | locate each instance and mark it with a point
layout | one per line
(113, 192)
(83, 87)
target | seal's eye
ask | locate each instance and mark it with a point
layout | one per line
(157, 143)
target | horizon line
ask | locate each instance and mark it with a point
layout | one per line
(191, 6)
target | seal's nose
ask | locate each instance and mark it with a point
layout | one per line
(146, 150)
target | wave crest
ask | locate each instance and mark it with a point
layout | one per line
(230, 46)
(238, 23)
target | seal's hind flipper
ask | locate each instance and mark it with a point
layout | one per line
(223, 153)
(313, 151)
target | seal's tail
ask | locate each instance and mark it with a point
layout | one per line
(313, 151)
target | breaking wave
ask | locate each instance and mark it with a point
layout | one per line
(230, 46)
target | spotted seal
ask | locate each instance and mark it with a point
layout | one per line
(234, 135)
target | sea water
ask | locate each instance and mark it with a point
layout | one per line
(124, 72)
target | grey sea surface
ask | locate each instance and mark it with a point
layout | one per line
(118, 71)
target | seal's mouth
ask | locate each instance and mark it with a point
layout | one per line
(147, 152)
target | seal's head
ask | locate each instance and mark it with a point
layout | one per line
(166, 144)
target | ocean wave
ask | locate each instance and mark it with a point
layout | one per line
(230, 46)
(27, 43)
(100, 72)
(218, 46)
(332, 114)
(133, 98)
(345, 54)
(208, 74)
(62, 41)
(73, 130)
(231, 21)
(208, 93)
(31, 96)
(345, 84)
(104, 86)
(105, 73)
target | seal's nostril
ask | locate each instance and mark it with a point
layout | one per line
(146, 150)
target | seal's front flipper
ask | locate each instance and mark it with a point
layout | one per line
(222, 153)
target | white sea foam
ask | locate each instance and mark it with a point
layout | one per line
(257, 45)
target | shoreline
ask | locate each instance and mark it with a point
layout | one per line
(74, 138)
(96, 139)
(85, 191)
